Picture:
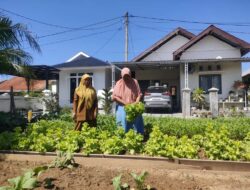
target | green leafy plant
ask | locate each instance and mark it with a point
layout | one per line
(63, 160)
(134, 110)
(156, 143)
(140, 180)
(198, 97)
(118, 184)
(91, 146)
(133, 142)
(218, 145)
(26, 181)
(186, 148)
(106, 100)
(9, 121)
(113, 145)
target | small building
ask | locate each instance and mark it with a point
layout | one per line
(72, 70)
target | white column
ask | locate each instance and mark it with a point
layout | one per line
(186, 75)
(213, 100)
(113, 75)
(186, 92)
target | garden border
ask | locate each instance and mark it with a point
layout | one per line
(204, 164)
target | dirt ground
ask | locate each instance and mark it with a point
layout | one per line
(97, 174)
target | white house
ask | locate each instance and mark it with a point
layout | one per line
(213, 57)
(72, 70)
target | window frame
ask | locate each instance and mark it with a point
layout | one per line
(77, 76)
(210, 79)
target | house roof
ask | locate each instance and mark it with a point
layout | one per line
(77, 56)
(19, 84)
(43, 72)
(40, 72)
(245, 73)
(218, 33)
(165, 39)
(83, 61)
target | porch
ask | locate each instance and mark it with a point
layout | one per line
(180, 74)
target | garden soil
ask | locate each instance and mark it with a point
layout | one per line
(97, 174)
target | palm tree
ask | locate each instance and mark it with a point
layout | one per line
(12, 36)
(198, 97)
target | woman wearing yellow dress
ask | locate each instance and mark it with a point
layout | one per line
(85, 107)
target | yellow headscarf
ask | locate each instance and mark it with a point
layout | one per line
(86, 94)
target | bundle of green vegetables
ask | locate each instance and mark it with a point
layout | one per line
(133, 111)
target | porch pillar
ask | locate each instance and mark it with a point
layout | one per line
(47, 79)
(113, 75)
(186, 75)
(213, 100)
(186, 92)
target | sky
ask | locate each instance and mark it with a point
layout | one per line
(96, 27)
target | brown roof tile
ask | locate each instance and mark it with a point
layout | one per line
(19, 84)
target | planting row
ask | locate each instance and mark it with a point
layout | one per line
(214, 143)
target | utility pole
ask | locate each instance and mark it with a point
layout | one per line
(126, 36)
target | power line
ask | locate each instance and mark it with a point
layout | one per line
(34, 20)
(75, 38)
(187, 21)
(191, 29)
(82, 28)
(109, 40)
(131, 42)
(189, 51)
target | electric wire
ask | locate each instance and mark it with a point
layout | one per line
(108, 41)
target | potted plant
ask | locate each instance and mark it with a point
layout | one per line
(199, 97)
(238, 85)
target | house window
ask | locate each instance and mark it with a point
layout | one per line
(75, 79)
(218, 67)
(208, 81)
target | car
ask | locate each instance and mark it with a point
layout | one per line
(158, 97)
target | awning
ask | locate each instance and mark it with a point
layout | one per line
(177, 62)
(41, 72)
(162, 64)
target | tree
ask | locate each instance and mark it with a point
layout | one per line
(12, 38)
(106, 100)
(198, 97)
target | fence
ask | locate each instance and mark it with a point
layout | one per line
(21, 103)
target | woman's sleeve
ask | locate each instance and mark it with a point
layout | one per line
(138, 88)
(75, 102)
(115, 91)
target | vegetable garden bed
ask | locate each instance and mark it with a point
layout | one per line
(97, 173)
(177, 140)
(222, 139)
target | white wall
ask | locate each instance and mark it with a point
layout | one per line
(108, 78)
(230, 72)
(99, 82)
(165, 52)
(20, 103)
(209, 48)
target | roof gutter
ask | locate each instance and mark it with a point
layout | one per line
(176, 62)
